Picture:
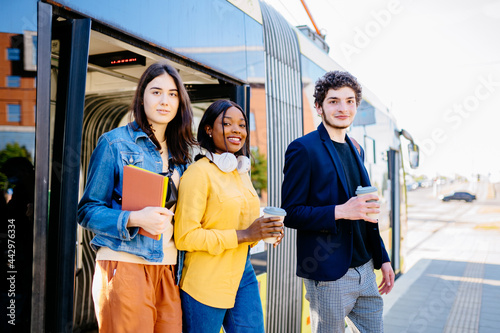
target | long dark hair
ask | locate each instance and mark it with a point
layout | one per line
(209, 118)
(179, 131)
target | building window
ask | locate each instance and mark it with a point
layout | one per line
(13, 54)
(13, 81)
(30, 40)
(14, 113)
(35, 48)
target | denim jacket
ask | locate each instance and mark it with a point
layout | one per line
(100, 212)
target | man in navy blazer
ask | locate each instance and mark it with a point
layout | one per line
(338, 245)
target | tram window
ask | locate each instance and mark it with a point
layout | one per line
(370, 156)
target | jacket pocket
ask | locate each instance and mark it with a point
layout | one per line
(132, 158)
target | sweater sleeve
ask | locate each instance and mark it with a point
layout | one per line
(189, 233)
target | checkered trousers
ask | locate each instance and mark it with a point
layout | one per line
(355, 296)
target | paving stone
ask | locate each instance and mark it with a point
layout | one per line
(491, 323)
(394, 329)
(489, 316)
(487, 329)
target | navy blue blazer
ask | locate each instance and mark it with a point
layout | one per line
(314, 183)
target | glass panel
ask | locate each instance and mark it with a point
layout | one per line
(310, 73)
(215, 33)
(17, 148)
(255, 51)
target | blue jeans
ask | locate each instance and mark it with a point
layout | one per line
(245, 316)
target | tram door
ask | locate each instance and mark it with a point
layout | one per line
(108, 96)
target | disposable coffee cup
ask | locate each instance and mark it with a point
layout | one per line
(360, 191)
(271, 212)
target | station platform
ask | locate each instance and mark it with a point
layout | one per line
(445, 296)
(453, 284)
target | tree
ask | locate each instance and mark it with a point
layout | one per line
(259, 171)
(11, 150)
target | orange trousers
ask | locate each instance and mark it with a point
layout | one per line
(136, 298)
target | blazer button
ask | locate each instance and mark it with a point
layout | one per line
(131, 160)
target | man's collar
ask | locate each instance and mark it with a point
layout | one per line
(324, 134)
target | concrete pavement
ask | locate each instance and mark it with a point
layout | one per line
(453, 283)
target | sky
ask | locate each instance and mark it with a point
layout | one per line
(434, 63)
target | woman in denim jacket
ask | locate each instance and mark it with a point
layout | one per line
(134, 287)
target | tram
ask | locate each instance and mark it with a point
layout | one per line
(78, 63)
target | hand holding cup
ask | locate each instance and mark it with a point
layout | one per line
(274, 212)
(361, 191)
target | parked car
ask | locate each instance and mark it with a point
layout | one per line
(466, 196)
(410, 186)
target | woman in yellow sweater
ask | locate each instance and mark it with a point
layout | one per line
(217, 219)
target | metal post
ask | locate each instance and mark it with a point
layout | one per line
(74, 36)
(42, 153)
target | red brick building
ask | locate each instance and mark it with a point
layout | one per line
(17, 93)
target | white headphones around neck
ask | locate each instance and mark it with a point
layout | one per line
(227, 162)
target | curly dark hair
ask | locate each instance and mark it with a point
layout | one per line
(179, 133)
(336, 80)
(209, 118)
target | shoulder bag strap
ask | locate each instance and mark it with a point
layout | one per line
(356, 144)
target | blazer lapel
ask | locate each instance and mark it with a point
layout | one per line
(327, 142)
(365, 179)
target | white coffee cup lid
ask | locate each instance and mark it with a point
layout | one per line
(274, 211)
(364, 190)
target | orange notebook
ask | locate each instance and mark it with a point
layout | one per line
(143, 188)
